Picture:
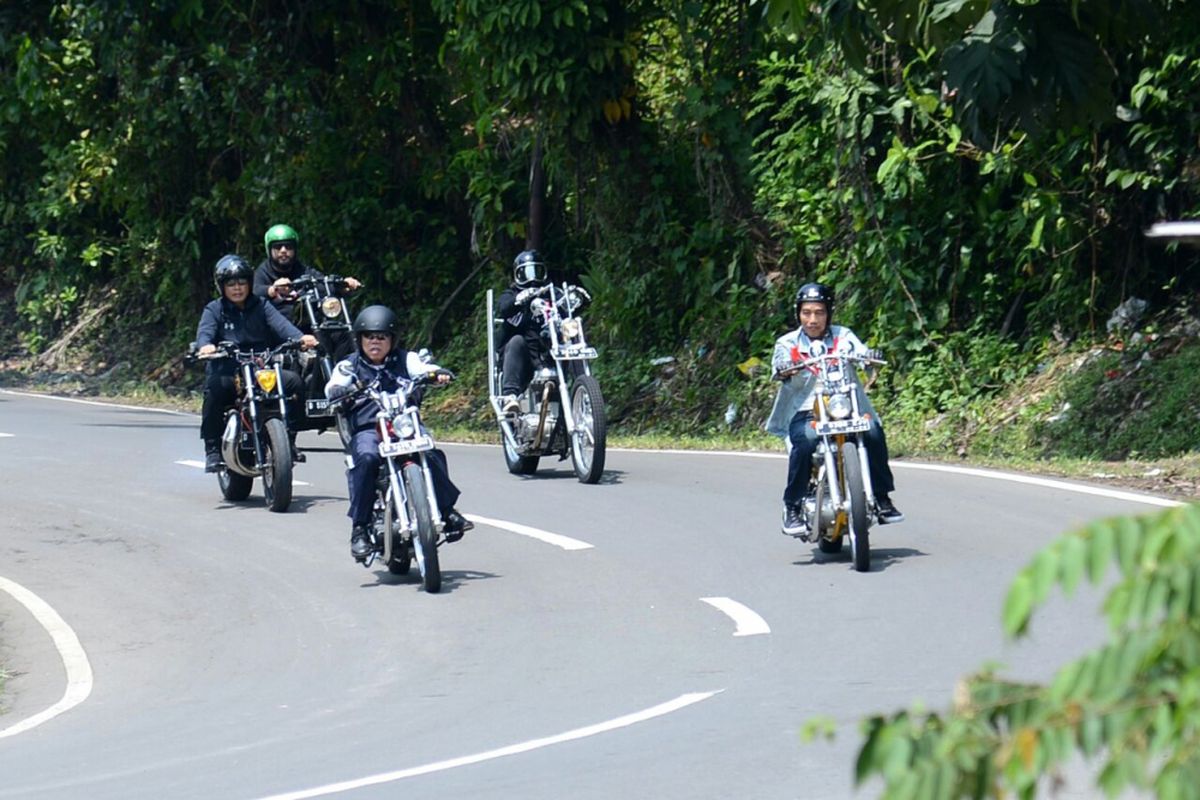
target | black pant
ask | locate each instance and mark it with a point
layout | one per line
(220, 393)
(362, 475)
(804, 444)
(518, 364)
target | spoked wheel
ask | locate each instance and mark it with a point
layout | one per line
(401, 560)
(277, 469)
(425, 537)
(591, 429)
(860, 541)
(234, 485)
(517, 464)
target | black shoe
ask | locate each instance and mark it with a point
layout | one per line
(212, 456)
(297, 456)
(360, 542)
(794, 523)
(456, 525)
(888, 513)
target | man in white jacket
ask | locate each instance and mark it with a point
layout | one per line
(792, 413)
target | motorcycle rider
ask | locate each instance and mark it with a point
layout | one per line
(521, 342)
(792, 413)
(379, 357)
(240, 317)
(274, 276)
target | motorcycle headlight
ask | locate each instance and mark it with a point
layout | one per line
(404, 427)
(839, 406)
(570, 327)
(331, 307)
(265, 379)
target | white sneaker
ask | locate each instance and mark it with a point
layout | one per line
(509, 404)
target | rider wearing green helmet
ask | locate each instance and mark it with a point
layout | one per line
(273, 278)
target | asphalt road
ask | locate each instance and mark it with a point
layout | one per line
(236, 653)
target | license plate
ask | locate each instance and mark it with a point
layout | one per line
(839, 426)
(317, 408)
(574, 353)
(405, 446)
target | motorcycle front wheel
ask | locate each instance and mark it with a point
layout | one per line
(591, 429)
(860, 542)
(401, 560)
(425, 537)
(277, 465)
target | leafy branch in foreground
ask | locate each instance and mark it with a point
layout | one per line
(1132, 707)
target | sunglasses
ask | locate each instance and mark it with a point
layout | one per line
(376, 337)
(237, 282)
(283, 246)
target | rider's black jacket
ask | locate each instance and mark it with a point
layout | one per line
(267, 273)
(256, 326)
(355, 368)
(516, 319)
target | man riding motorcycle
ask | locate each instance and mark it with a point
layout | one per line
(792, 414)
(379, 358)
(520, 336)
(240, 317)
(274, 276)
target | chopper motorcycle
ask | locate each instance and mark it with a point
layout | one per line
(255, 442)
(323, 310)
(841, 501)
(406, 522)
(562, 411)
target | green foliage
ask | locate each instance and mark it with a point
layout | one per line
(1132, 705)
(1121, 403)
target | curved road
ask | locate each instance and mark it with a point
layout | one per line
(669, 644)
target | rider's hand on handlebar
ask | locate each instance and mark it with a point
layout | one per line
(206, 350)
(352, 284)
(525, 295)
(308, 341)
(281, 288)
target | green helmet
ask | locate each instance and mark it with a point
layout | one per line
(279, 233)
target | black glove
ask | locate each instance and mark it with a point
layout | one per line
(525, 295)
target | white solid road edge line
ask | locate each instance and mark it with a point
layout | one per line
(75, 660)
(1049, 483)
(565, 542)
(100, 403)
(748, 622)
(511, 750)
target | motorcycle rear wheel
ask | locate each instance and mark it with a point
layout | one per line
(234, 485)
(591, 429)
(517, 464)
(860, 541)
(401, 560)
(425, 538)
(277, 466)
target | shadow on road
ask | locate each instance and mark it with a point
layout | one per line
(451, 579)
(881, 557)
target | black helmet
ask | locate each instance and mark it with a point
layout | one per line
(815, 293)
(528, 268)
(376, 319)
(230, 267)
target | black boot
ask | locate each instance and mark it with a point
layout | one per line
(360, 542)
(456, 525)
(212, 455)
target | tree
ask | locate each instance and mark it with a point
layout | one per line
(1134, 704)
